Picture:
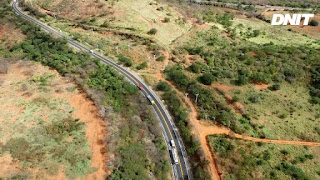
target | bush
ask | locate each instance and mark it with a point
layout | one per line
(260, 77)
(153, 31)
(256, 33)
(207, 78)
(225, 19)
(255, 99)
(142, 66)
(125, 60)
(161, 58)
(314, 22)
(293, 171)
(163, 86)
(195, 67)
(105, 24)
(166, 19)
(242, 80)
(223, 147)
(235, 99)
(275, 87)
(284, 152)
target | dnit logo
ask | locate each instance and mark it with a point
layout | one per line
(279, 19)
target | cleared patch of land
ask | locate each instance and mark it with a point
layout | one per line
(48, 128)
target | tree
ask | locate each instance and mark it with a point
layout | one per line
(242, 80)
(153, 31)
(195, 67)
(163, 86)
(207, 78)
(314, 22)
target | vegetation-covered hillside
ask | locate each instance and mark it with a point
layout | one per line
(227, 67)
(133, 151)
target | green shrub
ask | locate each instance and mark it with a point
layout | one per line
(255, 99)
(195, 67)
(125, 60)
(166, 19)
(163, 86)
(207, 78)
(161, 58)
(105, 24)
(142, 66)
(235, 99)
(223, 147)
(242, 80)
(153, 31)
(256, 33)
(293, 171)
(225, 19)
(275, 87)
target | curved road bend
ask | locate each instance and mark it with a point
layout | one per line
(181, 170)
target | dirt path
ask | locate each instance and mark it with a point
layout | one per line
(146, 20)
(237, 106)
(87, 112)
(204, 128)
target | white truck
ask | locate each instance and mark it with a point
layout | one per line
(174, 156)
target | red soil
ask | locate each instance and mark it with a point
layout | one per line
(260, 86)
(87, 112)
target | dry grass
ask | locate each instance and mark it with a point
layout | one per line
(29, 106)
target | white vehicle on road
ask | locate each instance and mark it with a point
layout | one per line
(150, 99)
(174, 156)
(172, 143)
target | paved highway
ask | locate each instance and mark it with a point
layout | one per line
(180, 170)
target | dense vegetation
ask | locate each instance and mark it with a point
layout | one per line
(256, 63)
(240, 159)
(108, 89)
(315, 84)
(209, 107)
(244, 62)
(227, 58)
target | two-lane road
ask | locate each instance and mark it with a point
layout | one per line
(181, 170)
